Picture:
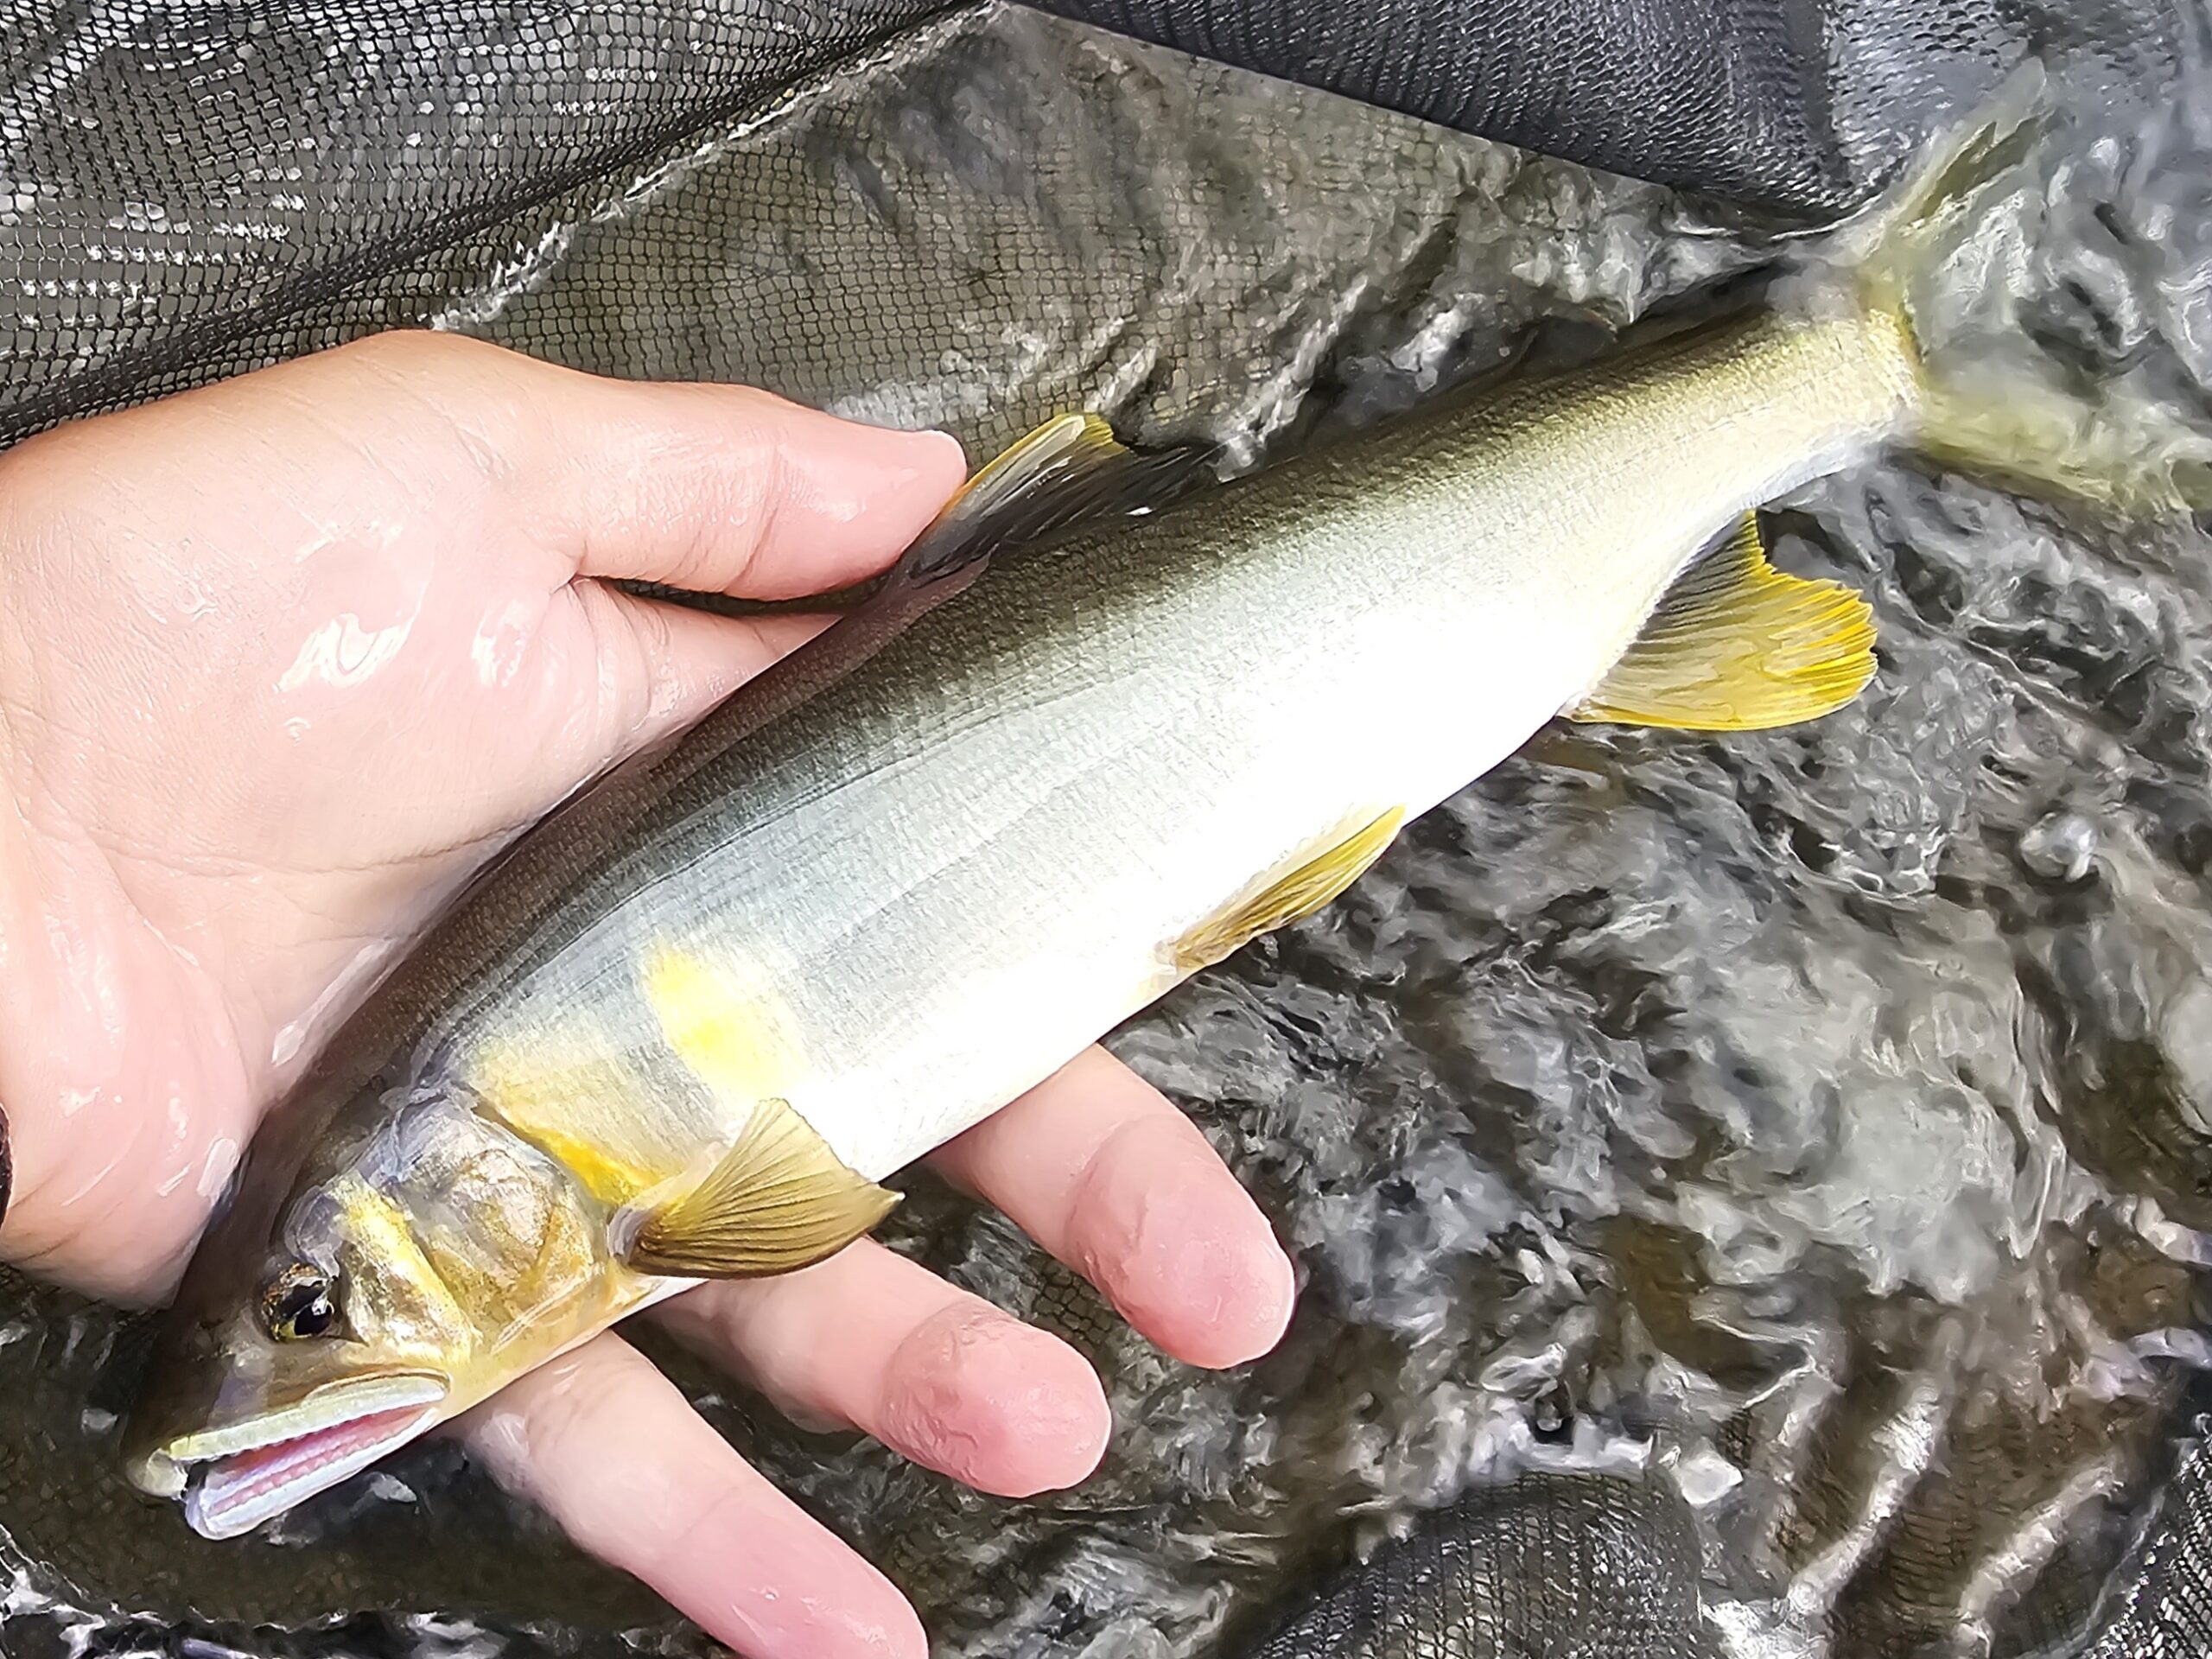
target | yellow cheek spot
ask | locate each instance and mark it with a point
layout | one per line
(524, 1251)
(726, 1033)
(393, 1294)
(1287, 895)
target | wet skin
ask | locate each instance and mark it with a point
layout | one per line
(282, 661)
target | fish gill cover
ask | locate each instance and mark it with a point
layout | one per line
(1750, 1194)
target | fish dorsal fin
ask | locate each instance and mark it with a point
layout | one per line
(1069, 469)
(777, 1200)
(1737, 646)
(1314, 880)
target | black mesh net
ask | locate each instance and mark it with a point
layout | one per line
(1552, 1565)
(1577, 1566)
(1631, 1395)
(197, 190)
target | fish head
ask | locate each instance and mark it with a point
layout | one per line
(411, 1266)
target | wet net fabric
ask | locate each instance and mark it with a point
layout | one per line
(2161, 1608)
(1600, 1569)
(1747, 1192)
(1769, 102)
(1564, 1567)
(195, 190)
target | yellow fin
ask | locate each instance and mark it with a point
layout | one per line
(1313, 882)
(777, 1200)
(1066, 442)
(2014, 416)
(1737, 646)
(2019, 427)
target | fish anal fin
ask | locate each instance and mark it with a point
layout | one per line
(1288, 896)
(777, 1200)
(1070, 469)
(1737, 646)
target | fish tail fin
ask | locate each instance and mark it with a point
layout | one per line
(1908, 236)
(1987, 399)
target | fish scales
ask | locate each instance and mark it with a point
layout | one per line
(687, 1024)
(972, 833)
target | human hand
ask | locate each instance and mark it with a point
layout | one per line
(282, 661)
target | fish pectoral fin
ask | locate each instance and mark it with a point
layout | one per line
(1308, 886)
(1071, 467)
(779, 1200)
(1737, 646)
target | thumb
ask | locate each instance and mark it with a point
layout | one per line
(713, 488)
(662, 666)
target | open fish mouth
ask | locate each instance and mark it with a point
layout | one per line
(245, 1473)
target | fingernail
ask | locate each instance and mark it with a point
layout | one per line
(937, 438)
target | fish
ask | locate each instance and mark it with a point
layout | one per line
(1108, 720)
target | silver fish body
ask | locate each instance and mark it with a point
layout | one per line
(942, 876)
(910, 872)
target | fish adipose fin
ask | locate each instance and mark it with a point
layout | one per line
(779, 1200)
(1737, 646)
(1313, 882)
(1069, 469)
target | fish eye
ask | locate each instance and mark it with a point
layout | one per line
(296, 1304)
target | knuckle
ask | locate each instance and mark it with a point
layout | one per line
(1106, 1211)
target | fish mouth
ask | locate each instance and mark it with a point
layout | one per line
(235, 1477)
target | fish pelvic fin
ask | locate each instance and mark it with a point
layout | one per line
(777, 1200)
(1315, 879)
(1985, 400)
(1070, 469)
(1737, 646)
